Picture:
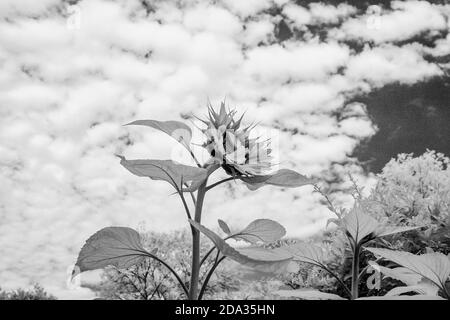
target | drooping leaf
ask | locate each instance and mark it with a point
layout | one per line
(261, 230)
(167, 170)
(225, 228)
(282, 178)
(414, 282)
(307, 294)
(177, 130)
(116, 246)
(433, 266)
(308, 253)
(265, 260)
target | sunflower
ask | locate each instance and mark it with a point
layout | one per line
(230, 145)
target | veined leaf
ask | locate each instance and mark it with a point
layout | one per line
(177, 130)
(225, 228)
(116, 246)
(361, 227)
(265, 260)
(306, 294)
(261, 230)
(305, 252)
(282, 178)
(432, 266)
(167, 170)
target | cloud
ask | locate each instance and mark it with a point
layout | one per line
(388, 64)
(406, 20)
(71, 77)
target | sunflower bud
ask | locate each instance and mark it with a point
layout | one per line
(231, 146)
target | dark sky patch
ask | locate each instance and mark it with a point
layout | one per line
(410, 119)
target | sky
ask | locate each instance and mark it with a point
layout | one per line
(72, 73)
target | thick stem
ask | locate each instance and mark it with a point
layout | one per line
(355, 271)
(195, 267)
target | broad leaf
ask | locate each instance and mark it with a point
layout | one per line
(225, 228)
(359, 225)
(282, 178)
(361, 228)
(177, 130)
(174, 173)
(261, 230)
(265, 260)
(308, 253)
(116, 246)
(306, 294)
(432, 266)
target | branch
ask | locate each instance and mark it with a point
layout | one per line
(148, 254)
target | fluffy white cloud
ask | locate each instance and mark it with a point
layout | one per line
(388, 63)
(406, 19)
(295, 61)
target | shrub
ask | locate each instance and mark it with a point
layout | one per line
(36, 293)
(415, 191)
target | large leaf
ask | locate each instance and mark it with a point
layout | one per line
(308, 253)
(307, 294)
(177, 130)
(361, 228)
(432, 266)
(167, 170)
(116, 246)
(265, 260)
(261, 231)
(282, 178)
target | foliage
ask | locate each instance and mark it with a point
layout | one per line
(36, 293)
(415, 191)
(408, 210)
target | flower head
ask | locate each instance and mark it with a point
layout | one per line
(230, 145)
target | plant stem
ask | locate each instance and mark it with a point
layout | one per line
(355, 271)
(210, 273)
(195, 267)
